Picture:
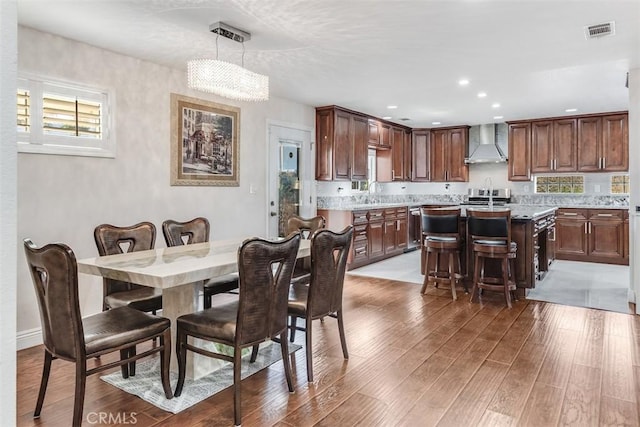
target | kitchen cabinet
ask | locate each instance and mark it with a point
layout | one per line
(377, 233)
(447, 151)
(420, 155)
(398, 154)
(603, 143)
(625, 237)
(374, 132)
(553, 146)
(341, 145)
(385, 135)
(519, 151)
(407, 155)
(592, 235)
(360, 148)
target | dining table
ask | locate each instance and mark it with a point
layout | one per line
(180, 272)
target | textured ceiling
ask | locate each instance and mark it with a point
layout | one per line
(531, 57)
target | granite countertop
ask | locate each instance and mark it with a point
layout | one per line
(515, 207)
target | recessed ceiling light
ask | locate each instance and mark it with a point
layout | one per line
(571, 110)
(392, 107)
(463, 82)
(482, 94)
(387, 118)
(495, 105)
(435, 123)
(497, 117)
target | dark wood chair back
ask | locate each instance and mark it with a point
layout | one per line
(113, 240)
(265, 268)
(195, 231)
(306, 226)
(329, 253)
(489, 225)
(440, 222)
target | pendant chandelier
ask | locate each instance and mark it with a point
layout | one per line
(224, 78)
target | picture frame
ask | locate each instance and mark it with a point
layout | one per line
(205, 142)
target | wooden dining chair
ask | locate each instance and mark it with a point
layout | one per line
(112, 240)
(67, 336)
(306, 227)
(323, 295)
(259, 314)
(197, 231)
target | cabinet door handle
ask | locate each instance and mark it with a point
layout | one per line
(604, 163)
(589, 228)
(569, 214)
(585, 228)
(608, 215)
(398, 225)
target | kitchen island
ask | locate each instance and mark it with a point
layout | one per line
(380, 231)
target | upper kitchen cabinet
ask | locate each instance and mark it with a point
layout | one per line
(399, 171)
(374, 132)
(520, 151)
(447, 151)
(420, 155)
(385, 135)
(553, 146)
(342, 140)
(603, 143)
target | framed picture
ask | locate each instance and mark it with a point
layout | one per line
(205, 139)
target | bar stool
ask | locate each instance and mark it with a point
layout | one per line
(441, 235)
(490, 236)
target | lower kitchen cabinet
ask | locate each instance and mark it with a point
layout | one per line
(378, 233)
(592, 235)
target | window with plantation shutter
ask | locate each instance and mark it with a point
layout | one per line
(62, 118)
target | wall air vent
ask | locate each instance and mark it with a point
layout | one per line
(600, 30)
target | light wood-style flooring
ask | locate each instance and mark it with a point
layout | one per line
(414, 361)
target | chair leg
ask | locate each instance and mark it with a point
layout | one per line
(505, 279)
(292, 335)
(309, 346)
(476, 277)
(181, 355)
(464, 282)
(343, 340)
(46, 369)
(207, 299)
(132, 365)
(426, 270)
(237, 360)
(284, 348)
(124, 354)
(452, 277)
(78, 401)
(254, 353)
(165, 360)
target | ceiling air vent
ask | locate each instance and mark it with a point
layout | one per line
(405, 119)
(600, 30)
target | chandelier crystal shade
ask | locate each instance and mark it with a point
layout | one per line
(227, 80)
(224, 78)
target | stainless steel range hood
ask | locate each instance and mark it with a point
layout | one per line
(488, 150)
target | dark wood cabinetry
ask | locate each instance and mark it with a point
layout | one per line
(420, 156)
(592, 143)
(603, 143)
(594, 235)
(520, 151)
(385, 135)
(374, 132)
(378, 233)
(360, 147)
(397, 154)
(448, 148)
(553, 146)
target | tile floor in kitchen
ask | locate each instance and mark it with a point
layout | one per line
(580, 284)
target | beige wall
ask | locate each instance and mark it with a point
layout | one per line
(62, 198)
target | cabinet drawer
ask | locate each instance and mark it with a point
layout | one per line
(359, 217)
(402, 212)
(376, 215)
(569, 213)
(359, 232)
(605, 214)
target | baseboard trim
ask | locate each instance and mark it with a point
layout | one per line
(29, 338)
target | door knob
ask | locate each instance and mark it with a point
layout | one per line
(274, 213)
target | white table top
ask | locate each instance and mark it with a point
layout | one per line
(169, 267)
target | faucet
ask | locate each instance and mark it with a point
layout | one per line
(490, 186)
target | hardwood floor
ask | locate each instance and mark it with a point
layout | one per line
(414, 361)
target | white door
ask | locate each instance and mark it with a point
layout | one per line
(290, 184)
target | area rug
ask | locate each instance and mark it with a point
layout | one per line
(147, 385)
